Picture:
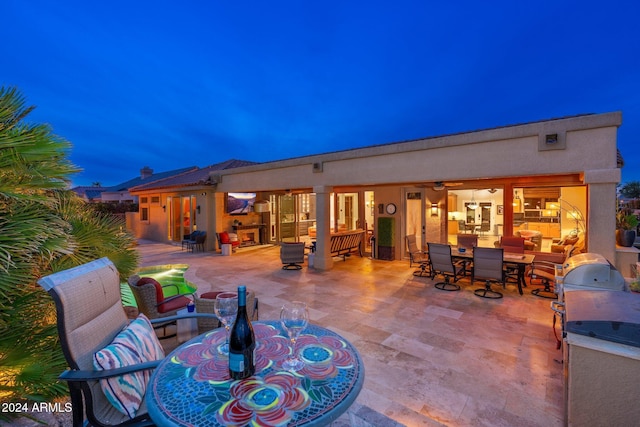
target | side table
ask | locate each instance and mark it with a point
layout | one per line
(186, 328)
(226, 249)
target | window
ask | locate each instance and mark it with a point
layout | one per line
(144, 200)
(155, 200)
(144, 214)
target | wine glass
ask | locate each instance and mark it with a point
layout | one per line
(294, 318)
(226, 308)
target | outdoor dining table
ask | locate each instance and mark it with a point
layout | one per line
(192, 387)
(520, 260)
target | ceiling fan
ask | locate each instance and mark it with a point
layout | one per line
(440, 185)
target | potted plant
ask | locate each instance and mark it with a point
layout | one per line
(627, 222)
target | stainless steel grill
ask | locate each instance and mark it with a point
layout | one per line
(590, 271)
(601, 342)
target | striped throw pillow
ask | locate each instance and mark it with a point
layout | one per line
(136, 343)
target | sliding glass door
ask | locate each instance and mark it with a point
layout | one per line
(296, 218)
(181, 218)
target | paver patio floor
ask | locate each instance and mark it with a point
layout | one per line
(431, 357)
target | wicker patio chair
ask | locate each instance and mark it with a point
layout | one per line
(150, 299)
(205, 303)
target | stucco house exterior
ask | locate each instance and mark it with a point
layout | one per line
(551, 177)
(179, 204)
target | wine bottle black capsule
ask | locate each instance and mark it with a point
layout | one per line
(242, 341)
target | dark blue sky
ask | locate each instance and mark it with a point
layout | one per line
(171, 84)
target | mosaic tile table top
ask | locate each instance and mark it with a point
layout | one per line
(192, 387)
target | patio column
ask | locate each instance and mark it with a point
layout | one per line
(601, 199)
(323, 259)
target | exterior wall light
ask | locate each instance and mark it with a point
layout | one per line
(434, 209)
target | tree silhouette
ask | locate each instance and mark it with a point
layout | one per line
(44, 227)
(630, 190)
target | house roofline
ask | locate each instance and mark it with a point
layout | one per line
(568, 123)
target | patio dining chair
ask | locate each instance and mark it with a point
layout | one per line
(109, 356)
(468, 242)
(484, 227)
(487, 265)
(442, 264)
(542, 271)
(417, 256)
(514, 245)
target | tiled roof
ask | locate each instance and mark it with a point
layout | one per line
(195, 177)
(91, 192)
(152, 178)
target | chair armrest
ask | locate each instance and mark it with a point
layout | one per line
(171, 298)
(544, 264)
(166, 319)
(462, 264)
(79, 375)
(171, 285)
(256, 314)
(543, 268)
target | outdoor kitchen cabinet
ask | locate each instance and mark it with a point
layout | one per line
(602, 358)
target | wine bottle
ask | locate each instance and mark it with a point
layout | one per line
(242, 341)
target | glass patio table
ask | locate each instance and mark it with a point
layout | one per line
(192, 387)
